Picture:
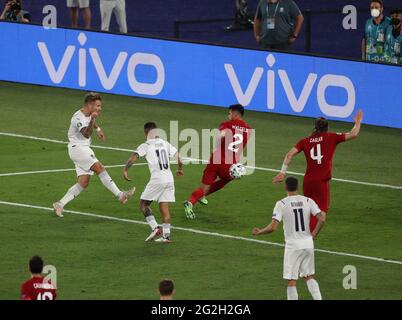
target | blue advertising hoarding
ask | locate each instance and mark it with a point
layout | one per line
(203, 74)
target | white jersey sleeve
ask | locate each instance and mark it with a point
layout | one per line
(171, 150)
(78, 121)
(314, 209)
(277, 214)
(142, 149)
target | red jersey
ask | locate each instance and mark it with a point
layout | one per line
(232, 143)
(319, 150)
(37, 289)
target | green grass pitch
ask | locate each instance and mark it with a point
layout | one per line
(98, 258)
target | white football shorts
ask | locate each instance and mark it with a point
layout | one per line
(298, 262)
(83, 157)
(161, 192)
(78, 3)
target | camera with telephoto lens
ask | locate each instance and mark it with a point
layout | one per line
(15, 7)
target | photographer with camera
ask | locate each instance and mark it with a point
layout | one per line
(13, 12)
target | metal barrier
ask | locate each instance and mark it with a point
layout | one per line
(308, 15)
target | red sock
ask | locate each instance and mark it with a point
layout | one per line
(217, 185)
(196, 195)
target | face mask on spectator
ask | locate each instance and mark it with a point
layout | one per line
(375, 13)
(395, 21)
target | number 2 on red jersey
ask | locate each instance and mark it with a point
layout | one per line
(233, 146)
(316, 156)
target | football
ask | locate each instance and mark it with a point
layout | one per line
(237, 170)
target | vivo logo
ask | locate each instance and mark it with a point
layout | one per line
(297, 103)
(108, 81)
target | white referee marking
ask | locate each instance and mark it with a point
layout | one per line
(213, 234)
(380, 185)
(59, 170)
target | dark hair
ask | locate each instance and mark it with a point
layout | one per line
(320, 125)
(238, 108)
(378, 1)
(396, 11)
(91, 97)
(149, 126)
(166, 287)
(291, 184)
(36, 265)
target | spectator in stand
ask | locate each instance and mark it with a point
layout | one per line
(13, 12)
(393, 38)
(277, 24)
(166, 289)
(374, 33)
(75, 6)
(118, 7)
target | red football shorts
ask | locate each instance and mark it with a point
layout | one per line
(213, 171)
(318, 191)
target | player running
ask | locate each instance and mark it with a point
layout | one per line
(295, 212)
(319, 149)
(233, 139)
(82, 125)
(37, 288)
(161, 184)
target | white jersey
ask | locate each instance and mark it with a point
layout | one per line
(295, 212)
(158, 152)
(78, 121)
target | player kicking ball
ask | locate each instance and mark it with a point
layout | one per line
(233, 138)
(295, 211)
(319, 149)
(82, 125)
(160, 187)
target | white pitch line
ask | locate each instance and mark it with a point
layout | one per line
(59, 170)
(213, 234)
(380, 185)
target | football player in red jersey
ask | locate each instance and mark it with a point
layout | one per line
(37, 288)
(233, 138)
(319, 149)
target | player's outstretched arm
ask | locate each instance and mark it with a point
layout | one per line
(320, 223)
(286, 162)
(179, 171)
(356, 128)
(129, 163)
(268, 229)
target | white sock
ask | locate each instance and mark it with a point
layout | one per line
(292, 293)
(314, 289)
(166, 230)
(108, 183)
(73, 192)
(152, 222)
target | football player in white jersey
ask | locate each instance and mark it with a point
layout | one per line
(81, 128)
(295, 212)
(160, 187)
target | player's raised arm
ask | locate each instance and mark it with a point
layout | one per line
(129, 163)
(320, 223)
(286, 162)
(356, 128)
(268, 229)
